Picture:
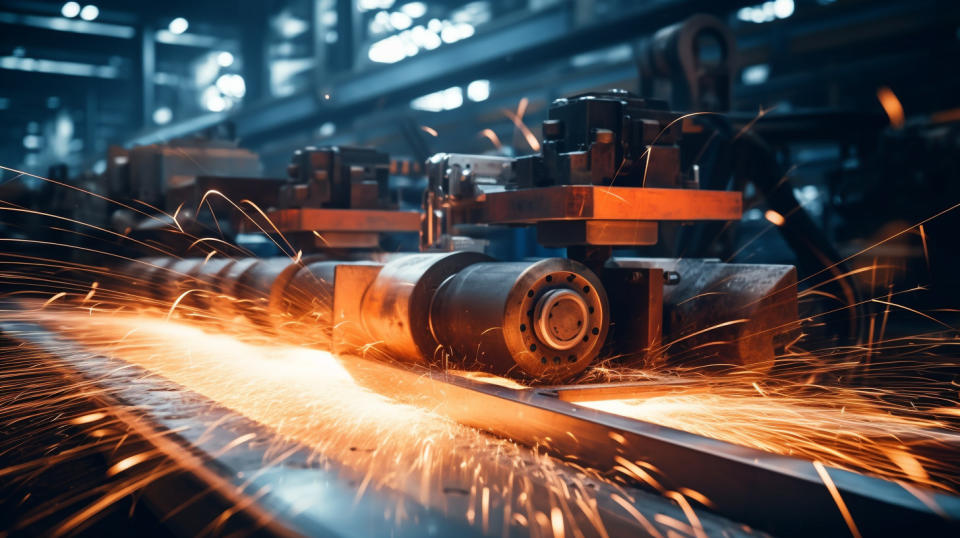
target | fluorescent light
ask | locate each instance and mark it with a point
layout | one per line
(448, 99)
(69, 25)
(57, 67)
(193, 40)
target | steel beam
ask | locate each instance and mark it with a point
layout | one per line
(778, 494)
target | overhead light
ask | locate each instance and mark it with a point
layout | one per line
(70, 10)
(400, 20)
(232, 85)
(755, 74)
(327, 129)
(89, 12)
(213, 100)
(178, 26)
(414, 9)
(767, 12)
(369, 5)
(61, 24)
(32, 141)
(448, 99)
(455, 32)
(387, 51)
(58, 67)
(225, 59)
(162, 115)
(478, 90)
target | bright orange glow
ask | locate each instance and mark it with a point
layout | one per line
(492, 137)
(844, 427)
(127, 463)
(892, 106)
(774, 217)
(308, 396)
(91, 417)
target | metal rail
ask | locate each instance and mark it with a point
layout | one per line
(778, 494)
(299, 494)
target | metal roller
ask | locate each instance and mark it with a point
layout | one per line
(395, 309)
(545, 319)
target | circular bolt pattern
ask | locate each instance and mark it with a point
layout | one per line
(561, 319)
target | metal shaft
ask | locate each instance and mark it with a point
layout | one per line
(545, 319)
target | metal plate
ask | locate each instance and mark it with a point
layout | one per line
(587, 202)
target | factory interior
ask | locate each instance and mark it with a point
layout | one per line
(560, 268)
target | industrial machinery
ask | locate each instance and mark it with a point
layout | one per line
(610, 172)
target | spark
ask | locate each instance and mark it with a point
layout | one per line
(517, 119)
(127, 463)
(54, 298)
(86, 419)
(892, 106)
(430, 131)
(775, 218)
(825, 476)
(492, 137)
(923, 239)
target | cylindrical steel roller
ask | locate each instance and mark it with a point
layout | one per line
(545, 319)
(396, 307)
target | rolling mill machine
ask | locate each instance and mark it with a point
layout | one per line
(617, 183)
(613, 173)
(504, 347)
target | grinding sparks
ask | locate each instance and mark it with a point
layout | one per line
(825, 476)
(891, 105)
(775, 218)
(312, 399)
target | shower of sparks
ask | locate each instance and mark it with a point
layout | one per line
(307, 396)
